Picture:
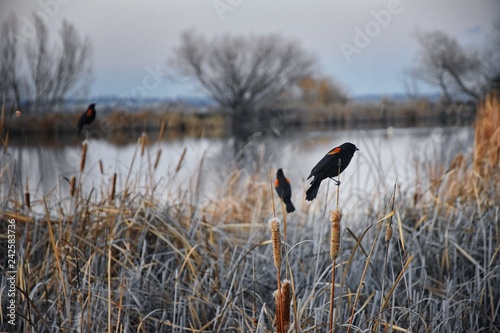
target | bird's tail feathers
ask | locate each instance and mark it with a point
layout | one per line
(312, 192)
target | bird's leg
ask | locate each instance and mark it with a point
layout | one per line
(337, 182)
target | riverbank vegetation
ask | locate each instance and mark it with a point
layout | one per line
(120, 127)
(105, 259)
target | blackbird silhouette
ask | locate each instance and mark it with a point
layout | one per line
(284, 190)
(87, 117)
(331, 165)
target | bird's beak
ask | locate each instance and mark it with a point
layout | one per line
(357, 148)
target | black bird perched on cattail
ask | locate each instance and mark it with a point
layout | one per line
(87, 117)
(331, 165)
(282, 185)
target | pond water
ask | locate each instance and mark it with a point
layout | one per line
(201, 165)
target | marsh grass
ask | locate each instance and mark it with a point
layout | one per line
(128, 262)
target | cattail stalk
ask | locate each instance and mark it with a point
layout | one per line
(335, 218)
(276, 240)
(278, 319)
(84, 156)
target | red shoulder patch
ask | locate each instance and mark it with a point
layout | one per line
(89, 112)
(334, 151)
(288, 180)
(276, 183)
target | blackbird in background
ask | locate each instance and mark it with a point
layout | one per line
(282, 185)
(86, 118)
(328, 167)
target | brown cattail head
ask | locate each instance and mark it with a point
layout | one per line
(27, 201)
(286, 298)
(255, 322)
(335, 218)
(276, 238)
(84, 156)
(388, 233)
(163, 126)
(157, 160)
(72, 182)
(113, 187)
(144, 141)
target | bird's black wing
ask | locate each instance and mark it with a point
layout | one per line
(324, 161)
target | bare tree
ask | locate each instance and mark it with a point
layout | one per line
(456, 71)
(44, 75)
(492, 59)
(242, 74)
(11, 81)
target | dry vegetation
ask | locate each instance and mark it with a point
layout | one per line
(118, 127)
(125, 262)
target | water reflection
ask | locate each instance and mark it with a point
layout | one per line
(202, 165)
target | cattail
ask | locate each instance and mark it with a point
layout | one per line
(163, 126)
(84, 156)
(179, 163)
(275, 236)
(144, 139)
(388, 233)
(27, 199)
(286, 297)
(113, 187)
(158, 154)
(255, 323)
(335, 218)
(72, 186)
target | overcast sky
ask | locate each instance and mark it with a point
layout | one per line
(133, 39)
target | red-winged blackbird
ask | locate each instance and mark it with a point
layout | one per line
(282, 185)
(87, 117)
(328, 167)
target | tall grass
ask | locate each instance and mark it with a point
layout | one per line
(125, 262)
